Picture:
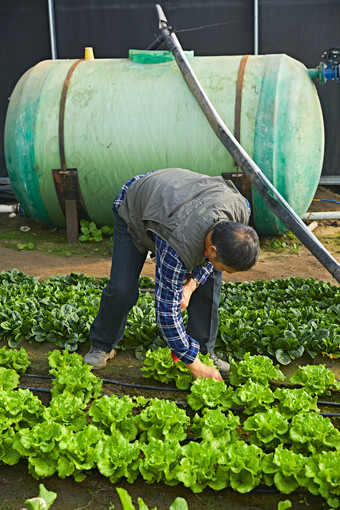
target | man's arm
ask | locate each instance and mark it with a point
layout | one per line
(170, 275)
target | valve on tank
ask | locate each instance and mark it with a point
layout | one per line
(329, 65)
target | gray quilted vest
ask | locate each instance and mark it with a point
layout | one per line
(181, 207)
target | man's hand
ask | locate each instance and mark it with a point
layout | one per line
(198, 369)
(188, 288)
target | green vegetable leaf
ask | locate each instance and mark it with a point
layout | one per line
(43, 501)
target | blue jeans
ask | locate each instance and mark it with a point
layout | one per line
(121, 294)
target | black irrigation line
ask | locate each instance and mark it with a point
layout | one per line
(143, 386)
(32, 388)
(177, 402)
(110, 381)
(158, 388)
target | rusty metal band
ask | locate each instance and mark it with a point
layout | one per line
(238, 99)
(62, 112)
(246, 184)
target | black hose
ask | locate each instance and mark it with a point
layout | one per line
(143, 386)
(43, 390)
(181, 403)
(277, 203)
(38, 376)
(321, 403)
(119, 383)
(158, 388)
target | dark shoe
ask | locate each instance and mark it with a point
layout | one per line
(98, 358)
(222, 366)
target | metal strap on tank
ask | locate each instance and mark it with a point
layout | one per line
(238, 99)
(246, 184)
(62, 112)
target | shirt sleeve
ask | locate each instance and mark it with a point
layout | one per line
(201, 275)
(170, 276)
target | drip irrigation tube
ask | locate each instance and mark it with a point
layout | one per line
(33, 388)
(177, 402)
(322, 403)
(143, 386)
(158, 388)
(38, 376)
(110, 381)
(268, 192)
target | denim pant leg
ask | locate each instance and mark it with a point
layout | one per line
(121, 293)
(203, 312)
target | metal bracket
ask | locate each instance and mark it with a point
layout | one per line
(70, 199)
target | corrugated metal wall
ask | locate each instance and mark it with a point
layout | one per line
(303, 29)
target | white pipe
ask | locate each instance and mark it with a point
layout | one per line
(6, 208)
(256, 27)
(53, 37)
(324, 215)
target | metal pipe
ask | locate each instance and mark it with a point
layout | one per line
(330, 180)
(53, 37)
(6, 209)
(256, 27)
(274, 200)
(323, 215)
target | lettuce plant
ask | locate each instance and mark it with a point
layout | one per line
(323, 471)
(235, 465)
(198, 466)
(77, 452)
(40, 445)
(43, 501)
(316, 379)
(20, 409)
(73, 377)
(216, 427)
(141, 331)
(17, 359)
(63, 359)
(269, 428)
(292, 401)
(160, 366)
(254, 397)
(116, 457)
(126, 500)
(160, 461)
(162, 419)
(244, 465)
(258, 368)
(8, 455)
(17, 320)
(285, 469)
(111, 413)
(210, 393)
(9, 379)
(67, 410)
(311, 432)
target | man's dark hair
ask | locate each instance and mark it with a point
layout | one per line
(237, 245)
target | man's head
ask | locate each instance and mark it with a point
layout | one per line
(232, 246)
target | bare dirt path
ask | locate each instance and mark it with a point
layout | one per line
(270, 265)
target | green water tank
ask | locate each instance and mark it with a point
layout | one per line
(111, 119)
